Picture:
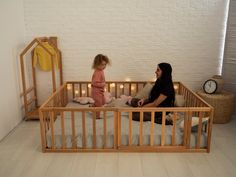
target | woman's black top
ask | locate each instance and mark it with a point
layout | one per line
(165, 88)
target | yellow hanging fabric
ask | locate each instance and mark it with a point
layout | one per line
(44, 58)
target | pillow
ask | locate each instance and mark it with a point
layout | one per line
(119, 102)
(179, 100)
(83, 100)
(195, 122)
(108, 97)
(145, 91)
(126, 98)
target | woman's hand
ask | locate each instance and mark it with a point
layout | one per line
(140, 102)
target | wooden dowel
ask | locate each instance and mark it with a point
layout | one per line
(74, 140)
(130, 128)
(63, 130)
(94, 130)
(119, 128)
(141, 129)
(34, 78)
(199, 131)
(163, 126)
(152, 129)
(84, 130)
(27, 91)
(104, 129)
(115, 129)
(52, 129)
(174, 129)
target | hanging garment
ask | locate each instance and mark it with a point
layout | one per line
(44, 58)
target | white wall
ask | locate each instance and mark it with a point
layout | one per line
(11, 35)
(135, 34)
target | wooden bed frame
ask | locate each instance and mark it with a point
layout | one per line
(56, 105)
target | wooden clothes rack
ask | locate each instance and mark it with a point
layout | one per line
(33, 113)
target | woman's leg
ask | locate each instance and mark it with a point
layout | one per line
(146, 116)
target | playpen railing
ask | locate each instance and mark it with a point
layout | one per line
(54, 108)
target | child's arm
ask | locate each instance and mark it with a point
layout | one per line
(98, 84)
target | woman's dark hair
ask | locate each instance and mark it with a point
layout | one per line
(166, 75)
(164, 81)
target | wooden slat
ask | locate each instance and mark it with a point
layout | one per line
(189, 123)
(23, 81)
(115, 129)
(53, 74)
(73, 90)
(63, 130)
(84, 130)
(66, 96)
(199, 131)
(174, 129)
(80, 89)
(61, 74)
(141, 129)
(116, 85)
(42, 130)
(185, 129)
(74, 141)
(130, 128)
(105, 129)
(209, 129)
(152, 129)
(88, 95)
(119, 128)
(129, 88)
(109, 87)
(163, 126)
(94, 130)
(52, 129)
(34, 78)
(27, 91)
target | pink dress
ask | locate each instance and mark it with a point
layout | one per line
(98, 85)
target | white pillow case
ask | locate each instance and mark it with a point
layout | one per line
(179, 100)
(145, 91)
(83, 100)
(195, 122)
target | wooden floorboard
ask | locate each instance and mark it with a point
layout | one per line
(21, 156)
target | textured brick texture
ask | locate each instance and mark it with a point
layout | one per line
(135, 34)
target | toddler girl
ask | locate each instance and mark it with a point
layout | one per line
(98, 81)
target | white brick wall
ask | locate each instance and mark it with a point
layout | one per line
(135, 34)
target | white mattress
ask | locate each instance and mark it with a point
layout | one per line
(110, 132)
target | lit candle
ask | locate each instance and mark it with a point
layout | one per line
(89, 85)
(83, 92)
(127, 79)
(76, 92)
(121, 86)
(69, 86)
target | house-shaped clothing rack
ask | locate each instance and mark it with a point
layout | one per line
(52, 41)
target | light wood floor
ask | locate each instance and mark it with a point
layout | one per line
(21, 156)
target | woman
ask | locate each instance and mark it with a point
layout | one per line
(161, 95)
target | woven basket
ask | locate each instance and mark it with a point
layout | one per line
(223, 104)
(220, 83)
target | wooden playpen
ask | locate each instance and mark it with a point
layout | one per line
(65, 128)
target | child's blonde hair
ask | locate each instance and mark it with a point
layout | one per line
(99, 59)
